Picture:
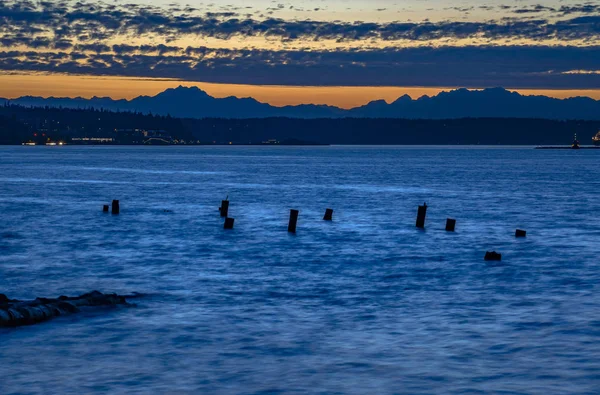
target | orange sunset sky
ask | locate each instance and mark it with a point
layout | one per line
(14, 86)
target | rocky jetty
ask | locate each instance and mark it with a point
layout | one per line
(18, 313)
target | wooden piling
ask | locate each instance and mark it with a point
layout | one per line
(520, 233)
(421, 216)
(492, 256)
(293, 221)
(450, 225)
(228, 223)
(328, 215)
(224, 208)
(115, 207)
(105, 208)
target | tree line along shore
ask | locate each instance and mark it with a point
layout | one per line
(42, 125)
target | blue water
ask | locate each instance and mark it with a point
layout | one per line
(365, 304)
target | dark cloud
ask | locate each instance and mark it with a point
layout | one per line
(73, 37)
(534, 9)
(100, 21)
(518, 67)
(588, 8)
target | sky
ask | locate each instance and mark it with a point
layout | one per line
(339, 52)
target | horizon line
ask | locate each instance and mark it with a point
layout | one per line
(50, 86)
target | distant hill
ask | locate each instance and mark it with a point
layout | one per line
(12, 131)
(41, 124)
(193, 102)
(386, 131)
(19, 124)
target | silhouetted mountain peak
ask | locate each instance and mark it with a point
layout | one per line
(184, 92)
(377, 103)
(403, 99)
(193, 102)
(241, 99)
(500, 92)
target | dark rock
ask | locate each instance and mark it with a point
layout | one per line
(66, 308)
(4, 315)
(16, 313)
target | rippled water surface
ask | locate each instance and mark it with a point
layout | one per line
(365, 304)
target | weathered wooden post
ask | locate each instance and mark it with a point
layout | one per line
(224, 208)
(115, 207)
(328, 215)
(228, 223)
(492, 256)
(293, 221)
(520, 233)
(450, 225)
(421, 216)
(105, 208)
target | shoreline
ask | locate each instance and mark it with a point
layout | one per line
(537, 147)
(568, 148)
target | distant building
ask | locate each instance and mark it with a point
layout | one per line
(144, 136)
(271, 142)
(143, 132)
(93, 140)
